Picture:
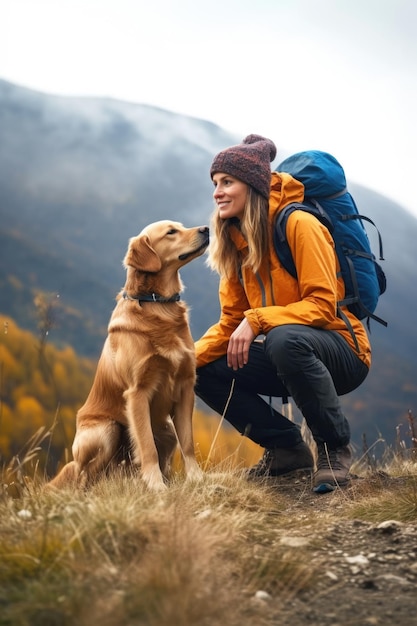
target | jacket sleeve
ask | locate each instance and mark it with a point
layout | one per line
(233, 304)
(313, 252)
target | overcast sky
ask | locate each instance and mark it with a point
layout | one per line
(334, 75)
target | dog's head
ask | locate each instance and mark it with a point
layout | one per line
(165, 244)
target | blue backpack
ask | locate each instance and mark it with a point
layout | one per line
(326, 197)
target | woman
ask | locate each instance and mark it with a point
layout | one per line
(308, 351)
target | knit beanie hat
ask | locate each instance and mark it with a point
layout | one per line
(249, 161)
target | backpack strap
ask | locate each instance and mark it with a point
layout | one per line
(279, 235)
(337, 194)
(380, 274)
(353, 216)
(355, 298)
(346, 320)
(280, 240)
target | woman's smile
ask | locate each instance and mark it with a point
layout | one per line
(230, 195)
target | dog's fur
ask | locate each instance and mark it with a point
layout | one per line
(145, 376)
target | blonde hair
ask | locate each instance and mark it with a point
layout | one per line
(223, 256)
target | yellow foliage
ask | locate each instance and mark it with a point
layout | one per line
(222, 445)
(30, 413)
(8, 361)
(40, 385)
(6, 430)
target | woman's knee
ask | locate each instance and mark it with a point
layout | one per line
(287, 347)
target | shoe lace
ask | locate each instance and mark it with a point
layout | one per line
(265, 460)
(328, 458)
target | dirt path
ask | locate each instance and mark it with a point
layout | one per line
(367, 573)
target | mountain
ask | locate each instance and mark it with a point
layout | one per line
(80, 176)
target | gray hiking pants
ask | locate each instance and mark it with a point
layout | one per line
(312, 365)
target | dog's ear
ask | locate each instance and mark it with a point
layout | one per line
(141, 255)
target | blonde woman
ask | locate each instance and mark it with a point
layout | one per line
(307, 351)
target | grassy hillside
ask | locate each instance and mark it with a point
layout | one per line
(222, 551)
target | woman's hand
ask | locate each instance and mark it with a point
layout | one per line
(239, 344)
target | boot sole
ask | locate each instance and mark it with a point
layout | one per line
(324, 488)
(328, 487)
(296, 470)
(287, 473)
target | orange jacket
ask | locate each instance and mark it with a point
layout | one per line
(272, 297)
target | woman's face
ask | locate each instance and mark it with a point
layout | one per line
(230, 195)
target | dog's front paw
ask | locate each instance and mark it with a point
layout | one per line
(154, 480)
(194, 473)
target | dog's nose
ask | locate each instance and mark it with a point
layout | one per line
(203, 229)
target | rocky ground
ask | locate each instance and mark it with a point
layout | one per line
(367, 573)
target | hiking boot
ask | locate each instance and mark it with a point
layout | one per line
(332, 468)
(279, 461)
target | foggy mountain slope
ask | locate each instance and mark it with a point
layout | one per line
(99, 170)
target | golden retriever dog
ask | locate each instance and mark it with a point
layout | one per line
(144, 382)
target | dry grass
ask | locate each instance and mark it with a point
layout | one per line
(220, 551)
(118, 555)
(388, 494)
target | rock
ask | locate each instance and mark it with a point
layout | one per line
(294, 542)
(389, 526)
(262, 595)
(359, 559)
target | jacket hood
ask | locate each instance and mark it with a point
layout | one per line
(284, 190)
